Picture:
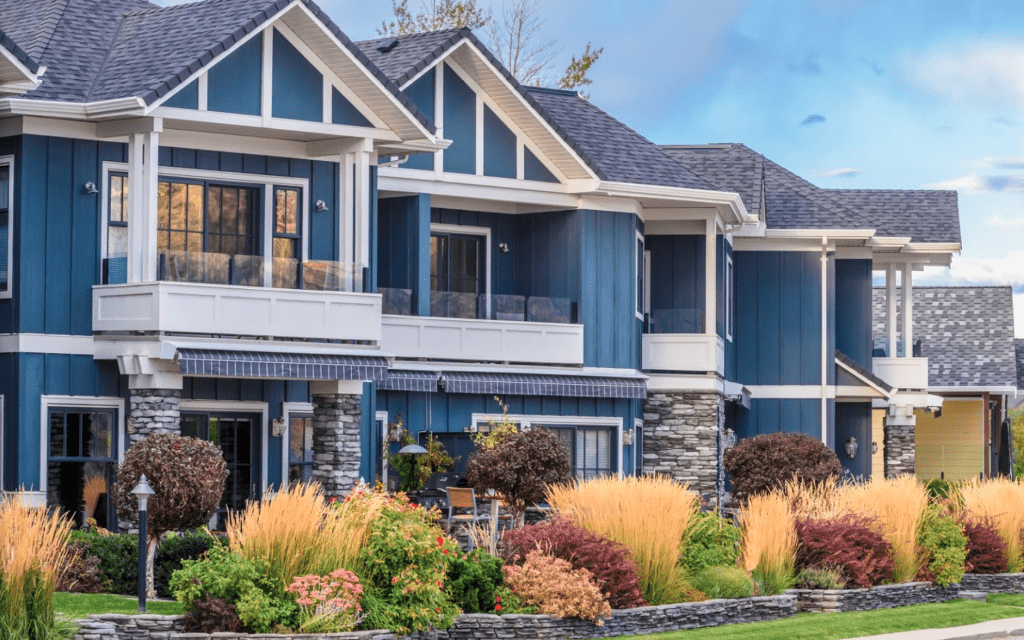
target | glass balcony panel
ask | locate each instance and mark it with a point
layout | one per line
(880, 348)
(396, 302)
(285, 274)
(248, 271)
(320, 275)
(502, 307)
(557, 310)
(117, 269)
(452, 304)
(676, 321)
(193, 266)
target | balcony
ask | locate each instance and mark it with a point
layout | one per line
(674, 340)
(464, 326)
(902, 373)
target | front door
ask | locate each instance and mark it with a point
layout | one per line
(237, 435)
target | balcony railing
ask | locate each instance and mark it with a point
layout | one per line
(881, 348)
(675, 321)
(470, 306)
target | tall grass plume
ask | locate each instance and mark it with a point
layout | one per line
(1000, 501)
(768, 540)
(649, 515)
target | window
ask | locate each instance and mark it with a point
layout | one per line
(458, 270)
(300, 448)
(6, 227)
(82, 452)
(226, 224)
(287, 237)
(237, 436)
(117, 229)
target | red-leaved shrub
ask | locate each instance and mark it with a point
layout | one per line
(608, 562)
(986, 551)
(768, 461)
(848, 544)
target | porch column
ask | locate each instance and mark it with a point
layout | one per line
(683, 439)
(899, 428)
(907, 302)
(710, 273)
(155, 396)
(143, 179)
(337, 416)
(890, 309)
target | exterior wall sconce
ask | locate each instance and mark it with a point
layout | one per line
(874, 447)
(277, 427)
(90, 188)
(395, 431)
(628, 437)
(730, 438)
(129, 425)
(321, 205)
(503, 247)
(851, 448)
(471, 429)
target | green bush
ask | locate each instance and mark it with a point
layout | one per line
(119, 559)
(820, 578)
(710, 541)
(473, 582)
(173, 550)
(724, 582)
(261, 602)
(943, 547)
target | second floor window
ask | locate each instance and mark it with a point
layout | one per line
(456, 274)
(204, 217)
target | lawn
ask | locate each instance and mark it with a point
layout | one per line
(831, 626)
(79, 605)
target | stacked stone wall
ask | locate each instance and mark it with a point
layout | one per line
(154, 411)
(683, 439)
(993, 583)
(899, 450)
(336, 442)
(881, 597)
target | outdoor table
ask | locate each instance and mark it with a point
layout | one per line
(495, 501)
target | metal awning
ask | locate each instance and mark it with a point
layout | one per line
(525, 384)
(290, 366)
(401, 380)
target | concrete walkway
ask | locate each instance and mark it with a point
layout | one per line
(1006, 628)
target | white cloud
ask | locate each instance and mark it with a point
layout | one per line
(981, 72)
(842, 172)
(999, 163)
(978, 184)
(1011, 224)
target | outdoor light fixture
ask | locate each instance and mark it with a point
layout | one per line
(503, 247)
(851, 448)
(874, 447)
(627, 437)
(412, 449)
(90, 188)
(321, 205)
(730, 438)
(278, 427)
(142, 491)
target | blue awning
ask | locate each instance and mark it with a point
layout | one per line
(525, 384)
(289, 366)
(399, 380)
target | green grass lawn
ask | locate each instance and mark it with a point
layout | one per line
(80, 605)
(831, 626)
(1007, 599)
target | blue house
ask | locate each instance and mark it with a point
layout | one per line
(226, 219)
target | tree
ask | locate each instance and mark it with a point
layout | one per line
(188, 477)
(514, 37)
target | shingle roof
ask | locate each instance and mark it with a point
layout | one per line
(19, 53)
(612, 150)
(966, 333)
(106, 49)
(31, 24)
(794, 203)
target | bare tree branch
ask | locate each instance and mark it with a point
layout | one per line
(434, 15)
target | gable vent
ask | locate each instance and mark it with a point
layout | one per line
(387, 45)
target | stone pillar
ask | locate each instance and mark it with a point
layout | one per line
(154, 411)
(683, 438)
(336, 447)
(899, 441)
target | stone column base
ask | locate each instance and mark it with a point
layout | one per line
(336, 446)
(683, 439)
(154, 411)
(899, 442)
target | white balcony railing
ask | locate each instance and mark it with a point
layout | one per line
(683, 352)
(483, 340)
(902, 373)
(231, 310)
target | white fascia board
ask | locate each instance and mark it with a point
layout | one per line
(119, 108)
(468, 367)
(831, 234)
(46, 343)
(885, 242)
(28, 77)
(670, 382)
(729, 204)
(932, 247)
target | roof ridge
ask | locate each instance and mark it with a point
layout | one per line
(409, 35)
(52, 32)
(106, 58)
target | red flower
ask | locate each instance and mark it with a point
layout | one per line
(445, 552)
(497, 607)
(394, 580)
(439, 609)
(333, 500)
(438, 584)
(497, 598)
(440, 541)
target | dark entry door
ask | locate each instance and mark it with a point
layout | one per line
(237, 435)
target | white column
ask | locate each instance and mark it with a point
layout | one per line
(362, 208)
(890, 306)
(826, 357)
(710, 286)
(346, 203)
(149, 207)
(143, 178)
(907, 303)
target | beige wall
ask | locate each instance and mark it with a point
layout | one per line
(953, 443)
(878, 435)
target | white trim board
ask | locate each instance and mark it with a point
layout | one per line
(789, 391)
(235, 406)
(9, 293)
(46, 402)
(47, 343)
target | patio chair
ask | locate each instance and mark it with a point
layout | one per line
(463, 499)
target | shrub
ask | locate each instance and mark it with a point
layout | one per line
(415, 470)
(986, 551)
(768, 541)
(1000, 503)
(848, 545)
(710, 541)
(557, 589)
(187, 475)
(606, 560)
(118, 557)
(768, 461)
(648, 515)
(327, 604)
(943, 547)
(173, 550)
(520, 468)
(81, 571)
(724, 582)
(473, 581)
(821, 578)
(211, 615)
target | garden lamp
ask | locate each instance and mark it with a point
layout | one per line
(412, 449)
(142, 491)
(730, 438)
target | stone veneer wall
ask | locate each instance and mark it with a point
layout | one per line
(899, 450)
(481, 626)
(683, 439)
(154, 411)
(993, 583)
(881, 597)
(336, 448)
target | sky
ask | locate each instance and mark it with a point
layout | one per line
(908, 95)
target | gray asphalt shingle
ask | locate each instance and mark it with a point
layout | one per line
(413, 53)
(966, 333)
(924, 215)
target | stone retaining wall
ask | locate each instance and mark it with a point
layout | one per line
(480, 626)
(881, 597)
(993, 583)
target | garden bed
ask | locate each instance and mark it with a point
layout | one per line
(641, 620)
(993, 583)
(880, 597)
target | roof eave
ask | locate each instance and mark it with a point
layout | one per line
(729, 205)
(102, 110)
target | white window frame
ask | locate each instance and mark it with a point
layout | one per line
(638, 425)
(48, 402)
(287, 409)
(235, 406)
(481, 422)
(458, 229)
(266, 182)
(9, 161)
(729, 275)
(382, 417)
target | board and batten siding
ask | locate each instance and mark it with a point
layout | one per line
(853, 310)
(954, 443)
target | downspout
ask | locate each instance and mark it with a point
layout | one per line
(824, 340)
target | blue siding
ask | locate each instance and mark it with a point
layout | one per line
(421, 93)
(677, 272)
(770, 415)
(404, 247)
(8, 435)
(608, 289)
(298, 86)
(730, 345)
(499, 147)
(853, 310)
(234, 83)
(534, 169)
(503, 229)
(459, 124)
(344, 112)
(186, 98)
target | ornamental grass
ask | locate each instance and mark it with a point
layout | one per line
(33, 552)
(298, 533)
(768, 540)
(999, 502)
(649, 515)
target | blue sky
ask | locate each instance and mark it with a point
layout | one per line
(918, 93)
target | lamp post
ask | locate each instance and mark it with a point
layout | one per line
(142, 491)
